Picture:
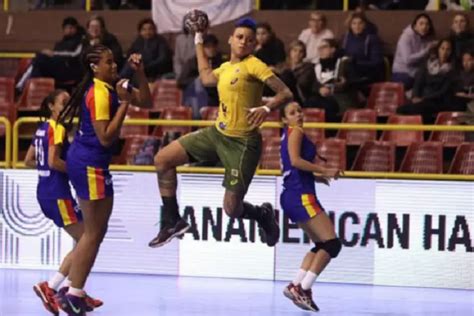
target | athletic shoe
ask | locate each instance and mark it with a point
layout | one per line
(304, 298)
(287, 291)
(71, 304)
(269, 225)
(92, 303)
(167, 233)
(46, 294)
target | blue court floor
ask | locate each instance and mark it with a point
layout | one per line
(145, 295)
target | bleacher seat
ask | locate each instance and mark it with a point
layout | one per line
(448, 138)
(334, 151)
(135, 113)
(357, 137)
(175, 113)
(166, 94)
(271, 153)
(386, 97)
(403, 137)
(463, 162)
(268, 132)
(375, 156)
(36, 89)
(425, 157)
(314, 116)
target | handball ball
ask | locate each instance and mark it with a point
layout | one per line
(196, 21)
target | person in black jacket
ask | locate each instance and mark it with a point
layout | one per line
(461, 35)
(156, 53)
(270, 49)
(63, 62)
(434, 85)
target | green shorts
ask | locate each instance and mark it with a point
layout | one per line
(239, 155)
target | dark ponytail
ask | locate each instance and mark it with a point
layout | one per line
(91, 56)
(45, 111)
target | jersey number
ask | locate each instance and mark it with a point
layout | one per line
(39, 151)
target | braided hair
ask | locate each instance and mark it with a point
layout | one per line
(91, 56)
(45, 111)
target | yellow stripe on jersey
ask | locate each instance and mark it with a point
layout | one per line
(92, 183)
(305, 200)
(59, 132)
(240, 86)
(67, 220)
(102, 101)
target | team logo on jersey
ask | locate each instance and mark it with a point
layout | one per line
(237, 70)
(234, 172)
(222, 125)
(234, 81)
(234, 182)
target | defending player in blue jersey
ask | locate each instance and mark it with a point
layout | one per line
(300, 203)
(101, 101)
(48, 153)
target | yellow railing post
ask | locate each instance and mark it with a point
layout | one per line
(438, 5)
(88, 5)
(345, 5)
(16, 134)
(8, 139)
(6, 5)
(258, 4)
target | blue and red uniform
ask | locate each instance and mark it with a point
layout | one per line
(298, 198)
(53, 191)
(87, 160)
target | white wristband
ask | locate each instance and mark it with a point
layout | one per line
(198, 38)
(266, 108)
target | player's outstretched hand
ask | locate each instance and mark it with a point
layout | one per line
(135, 61)
(122, 91)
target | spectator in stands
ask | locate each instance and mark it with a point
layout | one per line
(97, 34)
(314, 34)
(333, 91)
(433, 86)
(370, 27)
(156, 54)
(63, 62)
(464, 89)
(413, 47)
(270, 49)
(183, 50)
(364, 50)
(461, 35)
(195, 94)
(298, 74)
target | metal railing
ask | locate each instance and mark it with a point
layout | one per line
(8, 139)
(214, 170)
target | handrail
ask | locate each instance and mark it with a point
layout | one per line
(211, 170)
(8, 139)
(16, 55)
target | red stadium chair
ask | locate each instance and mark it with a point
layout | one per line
(209, 113)
(375, 156)
(425, 157)
(403, 138)
(334, 151)
(357, 137)
(9, 67)
(36, 89)
(463, 162)
(131, 147)
(166, 94)
(386, 97)
(448, 138)
(177, 113)
(135, 113)
(314, 116)
(271, 153)
(268, 132)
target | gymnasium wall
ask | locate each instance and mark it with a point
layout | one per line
(36, 30)
(395, 232)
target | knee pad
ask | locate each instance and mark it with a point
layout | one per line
(332, 247)
(317, 246)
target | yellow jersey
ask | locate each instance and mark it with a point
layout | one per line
(240, 86)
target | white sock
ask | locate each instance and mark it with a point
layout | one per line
(76, 292)
(67, 283)
(308, 280)
(56, 280)
(299, 276)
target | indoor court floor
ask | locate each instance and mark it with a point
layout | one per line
(149, 295)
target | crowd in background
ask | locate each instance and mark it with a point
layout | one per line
(322, 71)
